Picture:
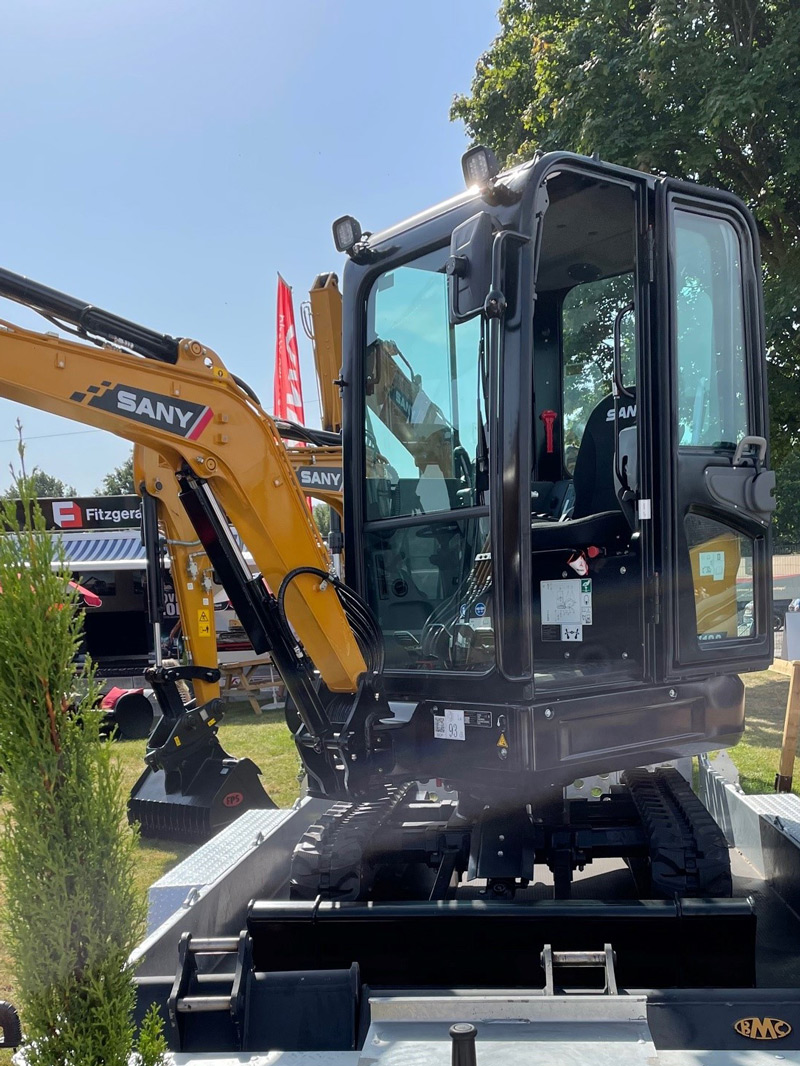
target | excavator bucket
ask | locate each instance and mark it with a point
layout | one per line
(191, 787)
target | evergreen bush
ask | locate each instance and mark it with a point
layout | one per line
(67, 855)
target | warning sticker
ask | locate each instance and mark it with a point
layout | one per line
(449, 726)
(204, 622)
(567, 603)
(586, 601)
(502, 742)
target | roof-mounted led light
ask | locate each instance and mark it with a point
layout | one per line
(480, 166)
(346, 233)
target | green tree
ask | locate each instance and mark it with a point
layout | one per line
(72, 913)
(701, 90)
(322, 516)
(40, 485)
(787, 514)
(120, 481)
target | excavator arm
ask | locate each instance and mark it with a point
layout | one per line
(177, 398)
(191, 567)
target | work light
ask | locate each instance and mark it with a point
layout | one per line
(346, 233)
(480, 166)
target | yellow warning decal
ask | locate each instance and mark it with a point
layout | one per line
(177, 741)
(502, 742)
(204, 622)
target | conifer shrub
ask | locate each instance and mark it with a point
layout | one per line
(67, 855)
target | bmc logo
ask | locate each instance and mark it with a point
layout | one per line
(67, 515)
(762, 1028)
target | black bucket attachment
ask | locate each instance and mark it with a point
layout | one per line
(192, 788)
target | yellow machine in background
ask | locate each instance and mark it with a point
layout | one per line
(716, 565)
(317, 466)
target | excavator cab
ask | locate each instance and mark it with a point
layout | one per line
(563, 371)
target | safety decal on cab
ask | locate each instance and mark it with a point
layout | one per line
(566, 608)
(181, 417)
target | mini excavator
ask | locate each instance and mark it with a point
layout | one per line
(557, 503)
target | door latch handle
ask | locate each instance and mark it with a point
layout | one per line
(759, 443)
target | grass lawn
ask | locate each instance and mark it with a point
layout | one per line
(266, 740)
(757, 754)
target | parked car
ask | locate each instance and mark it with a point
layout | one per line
(779, 609)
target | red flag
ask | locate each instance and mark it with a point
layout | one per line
(288, 395)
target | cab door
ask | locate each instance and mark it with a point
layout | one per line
(715, 487)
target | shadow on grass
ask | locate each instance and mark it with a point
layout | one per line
(765, 707)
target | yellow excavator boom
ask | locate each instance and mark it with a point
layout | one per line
(195, 415)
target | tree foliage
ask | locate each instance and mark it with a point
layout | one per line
(120, 481)
(72, 912)
(39, 484)
(322, 516)
(701, 90)
(786, 520)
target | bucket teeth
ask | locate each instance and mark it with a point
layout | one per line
(170, 821)
(220, 790)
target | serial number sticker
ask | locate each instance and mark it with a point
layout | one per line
(482, 719)
(449, 726)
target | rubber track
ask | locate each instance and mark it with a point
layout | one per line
(688, 851)
(327, 860)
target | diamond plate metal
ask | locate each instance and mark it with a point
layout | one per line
(212, 859)
(784, 807)
(207, 864)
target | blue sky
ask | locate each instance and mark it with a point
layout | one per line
(165, 159)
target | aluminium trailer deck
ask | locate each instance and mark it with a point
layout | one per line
(210, 892)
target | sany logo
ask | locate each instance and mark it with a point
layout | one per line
(624, 412)
(159, 411)
(67, 515)
(183, 418)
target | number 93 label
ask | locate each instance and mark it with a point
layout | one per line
(449, 726)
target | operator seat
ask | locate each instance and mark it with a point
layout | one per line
(597, 518)
(593, 477)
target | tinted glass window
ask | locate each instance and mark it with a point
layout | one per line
(712, 399)
(421, 421)
(587, 326)
(722, 576)
(431, 589)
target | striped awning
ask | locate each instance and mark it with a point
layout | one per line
(88, 551)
